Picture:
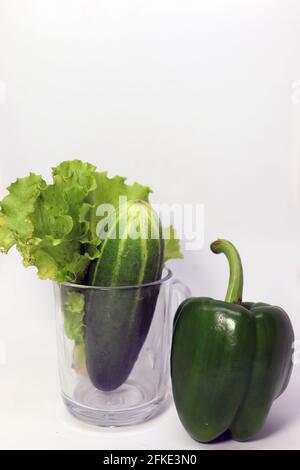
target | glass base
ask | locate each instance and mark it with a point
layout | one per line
(127, 405)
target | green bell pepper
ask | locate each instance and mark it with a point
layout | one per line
(229, 360)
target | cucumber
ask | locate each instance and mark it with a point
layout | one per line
(117, 321)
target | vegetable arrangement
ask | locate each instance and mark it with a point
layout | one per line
(230, 360)
(54, 227)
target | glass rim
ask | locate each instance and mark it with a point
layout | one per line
(164, 279)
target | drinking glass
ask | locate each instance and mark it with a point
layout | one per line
(138, 388)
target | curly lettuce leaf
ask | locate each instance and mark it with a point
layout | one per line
(73, 181)
(49, 224)
(61, 221)
(54, 225)
(54, 259)
(16, 209)
(73, 308)
(51, 216)
(79, 174)
(7, 239)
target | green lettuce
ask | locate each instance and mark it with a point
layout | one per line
(49, 223)
(73, 305)
(53, 226)
(16, 209)
(73, 308)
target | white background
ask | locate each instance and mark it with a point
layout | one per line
(193, 98)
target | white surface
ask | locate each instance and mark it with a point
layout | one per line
(196, 100)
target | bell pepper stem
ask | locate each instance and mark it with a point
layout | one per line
(235, 285)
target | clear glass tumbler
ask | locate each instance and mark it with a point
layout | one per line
(114, 348)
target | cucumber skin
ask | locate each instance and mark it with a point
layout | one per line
(117, 321)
